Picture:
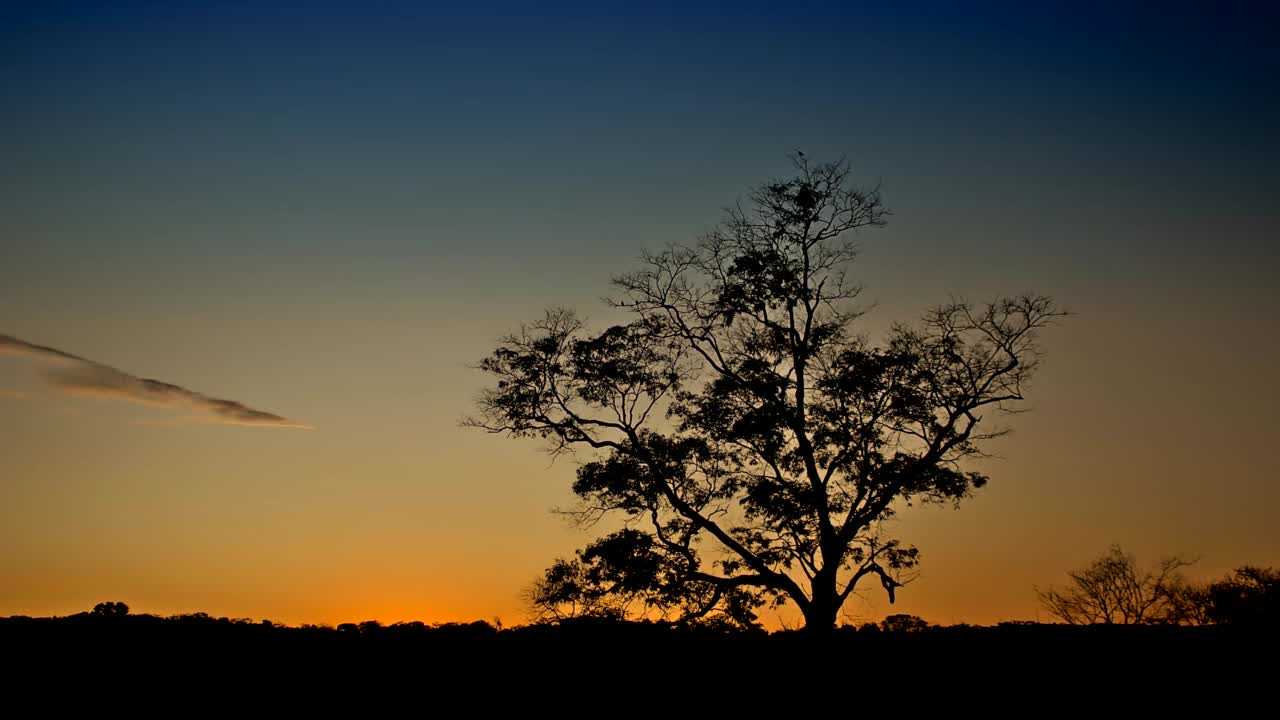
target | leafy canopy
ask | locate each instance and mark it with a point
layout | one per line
(750, 440)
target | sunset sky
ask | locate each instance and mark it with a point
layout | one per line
(324, 212)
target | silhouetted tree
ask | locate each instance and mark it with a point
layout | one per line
(749, 436)
(1113, 590)
(1249, 596)
(904, 623)
(1187, 602)
(110, 609)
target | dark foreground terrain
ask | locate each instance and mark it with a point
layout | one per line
(640, 663)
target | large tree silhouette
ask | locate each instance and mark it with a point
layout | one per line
(749, 438)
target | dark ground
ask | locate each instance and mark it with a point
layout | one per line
(637, 664)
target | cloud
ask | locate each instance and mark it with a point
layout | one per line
(79, 376)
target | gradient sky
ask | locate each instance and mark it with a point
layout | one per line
(326, 211)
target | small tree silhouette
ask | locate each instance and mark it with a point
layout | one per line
(1249, 596)
(904, 623)
(110, 609)
(1112, 590)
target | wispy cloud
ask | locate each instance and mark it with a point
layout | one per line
(75, 375)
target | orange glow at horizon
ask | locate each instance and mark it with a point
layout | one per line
(415, 519)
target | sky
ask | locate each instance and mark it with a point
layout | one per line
(308, 221)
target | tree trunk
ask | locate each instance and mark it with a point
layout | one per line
(820, 615)
(820, 620)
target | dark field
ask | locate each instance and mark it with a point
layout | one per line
(1144, 664)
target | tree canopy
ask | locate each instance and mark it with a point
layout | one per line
(749, 438)
(1114, 590)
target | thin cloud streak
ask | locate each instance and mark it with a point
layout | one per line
(75, 375)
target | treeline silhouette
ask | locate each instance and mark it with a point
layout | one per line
(605, 665)
(1113, 589)
(896, 638)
